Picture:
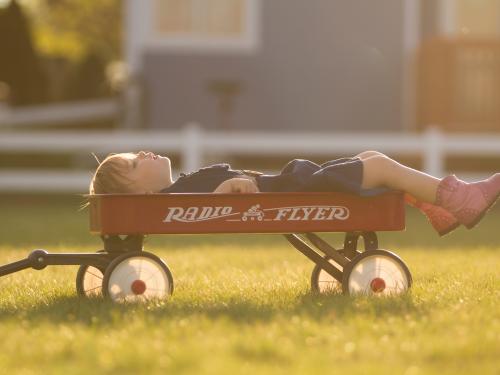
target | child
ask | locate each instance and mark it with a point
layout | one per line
(446, 202)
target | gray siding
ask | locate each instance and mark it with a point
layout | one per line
(322, 65)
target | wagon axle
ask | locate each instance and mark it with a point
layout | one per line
(39, 259)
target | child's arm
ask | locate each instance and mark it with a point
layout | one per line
(238, 185)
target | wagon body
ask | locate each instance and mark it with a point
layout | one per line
(187, 213)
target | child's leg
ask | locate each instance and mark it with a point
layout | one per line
(440, 219)
(380, 171)
(409, 199)
(468, 202)
(368, 154)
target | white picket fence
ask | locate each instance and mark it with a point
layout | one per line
(193, 144)
(54, 114)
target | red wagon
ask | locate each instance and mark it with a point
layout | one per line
(123, 271)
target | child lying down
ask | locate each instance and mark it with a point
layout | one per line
(446, 202)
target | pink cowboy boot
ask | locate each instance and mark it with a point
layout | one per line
(468, 202)
(441, 220)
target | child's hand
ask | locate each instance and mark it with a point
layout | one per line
(237, 185)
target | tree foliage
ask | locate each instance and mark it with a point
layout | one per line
(76, 28)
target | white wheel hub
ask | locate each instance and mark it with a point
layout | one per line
(137, 279)
(378, 275)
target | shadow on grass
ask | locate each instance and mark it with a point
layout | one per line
(102, 312)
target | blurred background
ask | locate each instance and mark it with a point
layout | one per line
(249, 82)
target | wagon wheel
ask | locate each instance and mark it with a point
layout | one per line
(137, 276)
(376, 272)
(89, 280)
(324, 283)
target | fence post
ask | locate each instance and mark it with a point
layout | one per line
(192, 147)
(433, 152)
(4, 105)
(4, 115)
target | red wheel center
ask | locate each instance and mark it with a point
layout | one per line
(138, 287)
(377, 285)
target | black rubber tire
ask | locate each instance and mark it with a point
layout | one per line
(349, 267)
(131, 254)
(80, 275)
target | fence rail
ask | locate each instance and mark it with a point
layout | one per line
(55, 114)
(193, 143)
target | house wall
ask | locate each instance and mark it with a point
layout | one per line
(336, 65)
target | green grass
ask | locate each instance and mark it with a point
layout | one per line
(242, 304)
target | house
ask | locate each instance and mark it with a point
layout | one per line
(327, 65)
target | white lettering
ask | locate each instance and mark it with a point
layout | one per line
(320, 214)
(294, 213)
(340, 213)
(216, 211)
(307, 212)
(317, 213)
(190, 214)
(226, 210)
(281, 213)
(174, 213)
(205, 213)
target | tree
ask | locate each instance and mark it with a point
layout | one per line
(19, 66)
(83, 34)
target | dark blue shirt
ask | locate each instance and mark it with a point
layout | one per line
(205, 180)
(345, 175)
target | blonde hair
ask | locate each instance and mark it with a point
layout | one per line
(110, 177)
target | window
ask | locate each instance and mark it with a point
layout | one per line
(206, 23)
(478, 17)
(205, 18)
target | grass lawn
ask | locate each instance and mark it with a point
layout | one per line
(242, 304)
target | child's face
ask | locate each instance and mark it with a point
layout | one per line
(148, 172)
